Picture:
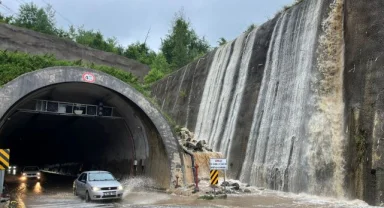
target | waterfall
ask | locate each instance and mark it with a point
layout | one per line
(223, 93)
(296, 139)
(277, 152)
(190, 94)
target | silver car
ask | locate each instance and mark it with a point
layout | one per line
(97, 185)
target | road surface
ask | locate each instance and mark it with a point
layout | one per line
(55, 191)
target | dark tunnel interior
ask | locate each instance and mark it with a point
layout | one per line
(123, 140)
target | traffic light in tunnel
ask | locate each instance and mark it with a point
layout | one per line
(100, 110)
(103, 110)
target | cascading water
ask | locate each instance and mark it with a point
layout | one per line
(223, 93)
(275, 148)
(282, 147)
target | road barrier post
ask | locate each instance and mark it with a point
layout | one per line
(2, 173)
(196, 178)
(177, 182)
(4, 164)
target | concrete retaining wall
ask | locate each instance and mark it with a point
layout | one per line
(20, 39)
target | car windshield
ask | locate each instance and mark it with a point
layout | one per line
(101, 177)
(31, 169)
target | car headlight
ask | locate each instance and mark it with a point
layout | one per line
(120, 188)
(95, 188)
(24, 174)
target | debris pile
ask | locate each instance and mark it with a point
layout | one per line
(187, 139)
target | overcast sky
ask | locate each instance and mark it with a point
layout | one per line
(129, 20)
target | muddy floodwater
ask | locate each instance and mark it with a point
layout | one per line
(56, 192)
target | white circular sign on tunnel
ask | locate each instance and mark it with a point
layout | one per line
(88, 77)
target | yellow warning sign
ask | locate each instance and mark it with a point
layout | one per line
(4, 159)
(214, 177)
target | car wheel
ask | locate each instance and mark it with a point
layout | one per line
(87, 198)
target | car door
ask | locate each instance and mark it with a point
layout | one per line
(84, 181)
(80, 184)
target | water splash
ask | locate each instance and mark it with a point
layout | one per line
(137, 184)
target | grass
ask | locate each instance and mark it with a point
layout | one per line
(361, 145)
(182, 94)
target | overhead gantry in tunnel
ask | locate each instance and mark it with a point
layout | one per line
(59, 115)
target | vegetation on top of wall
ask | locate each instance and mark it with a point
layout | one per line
(250, 28)
(286, 7)
(181, 46)
(14, 64)
(222, 41)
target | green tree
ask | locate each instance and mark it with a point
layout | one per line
(222, 41)
(62, 33)
(5, 19)
(182, 44)
(120, 50)
(32, 17)
(159, 68)
(72, 33)
(94, 39)
(141, 52)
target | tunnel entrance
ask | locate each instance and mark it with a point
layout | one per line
(71, 126)
(44, 129)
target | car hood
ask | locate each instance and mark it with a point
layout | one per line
(102, 184)
(30, 171)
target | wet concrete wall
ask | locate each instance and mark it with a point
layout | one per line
(20, 39)
(180, 94)
(364, 96)
(360, 107)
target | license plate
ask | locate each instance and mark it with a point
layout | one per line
(110, 193)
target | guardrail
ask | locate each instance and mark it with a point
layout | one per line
(66, 169)
(57, 173)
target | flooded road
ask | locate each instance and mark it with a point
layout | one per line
(55, 191)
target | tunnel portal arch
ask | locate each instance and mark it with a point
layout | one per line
(22, 86)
